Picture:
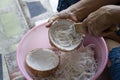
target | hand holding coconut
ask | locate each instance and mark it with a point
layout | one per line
(65, 14)
(103, 21)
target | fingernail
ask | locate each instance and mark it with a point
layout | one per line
(47, 25)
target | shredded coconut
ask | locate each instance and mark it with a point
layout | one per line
(76, 65)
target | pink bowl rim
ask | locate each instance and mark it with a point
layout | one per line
(19, 45)
(105, 62)
(34, 28)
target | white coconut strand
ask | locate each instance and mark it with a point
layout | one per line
(76, 65)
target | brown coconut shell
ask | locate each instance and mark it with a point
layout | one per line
(38, 73)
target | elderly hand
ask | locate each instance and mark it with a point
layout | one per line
(65, 14)
(101, 20)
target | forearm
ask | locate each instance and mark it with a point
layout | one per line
(84, 7)
(115, 13)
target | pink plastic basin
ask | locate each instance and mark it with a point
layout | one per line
(37, 37)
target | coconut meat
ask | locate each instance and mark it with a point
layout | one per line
(42, 59)
(65, 37)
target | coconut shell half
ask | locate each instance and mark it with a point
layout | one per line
(41, 62)
(62, 35)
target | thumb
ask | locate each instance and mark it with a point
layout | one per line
(51, 20)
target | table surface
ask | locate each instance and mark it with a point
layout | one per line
(13, 25)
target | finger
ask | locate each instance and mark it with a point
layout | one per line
(92, 30)
(49, 23)
(84, 22)
(91, 27)
(51, 20)
(65, 14)
(73, 17)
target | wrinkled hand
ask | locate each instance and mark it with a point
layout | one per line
(100, 21)
(61, 15)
